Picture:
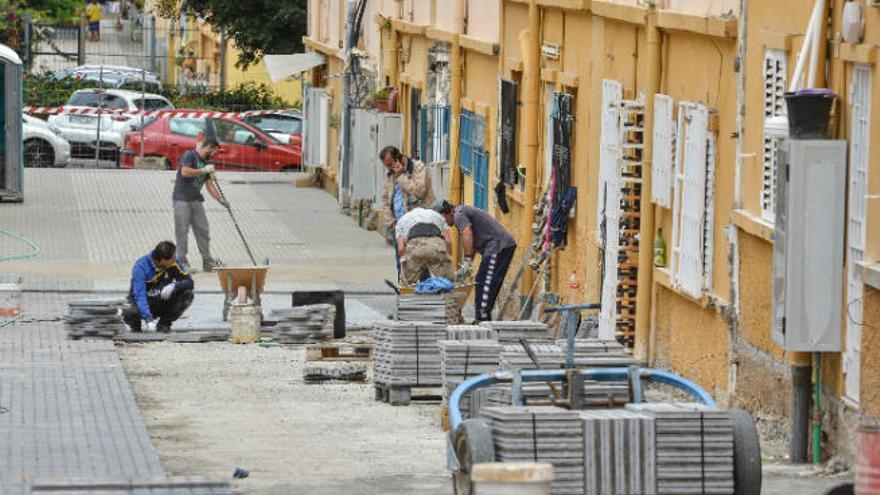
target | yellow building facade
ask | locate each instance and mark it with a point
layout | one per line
(619, 85)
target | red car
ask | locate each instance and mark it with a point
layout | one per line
(242, 146)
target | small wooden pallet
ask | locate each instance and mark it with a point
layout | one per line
(339, 351)
(402, 395)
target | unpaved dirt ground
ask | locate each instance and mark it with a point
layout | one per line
(213, 407)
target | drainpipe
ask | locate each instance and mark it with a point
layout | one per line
(456, 190)
(646, 226)
(531, 90)
(349, 43)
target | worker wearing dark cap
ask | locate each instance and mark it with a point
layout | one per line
(482, 234)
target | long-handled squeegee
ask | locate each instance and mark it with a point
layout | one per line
(234, 222)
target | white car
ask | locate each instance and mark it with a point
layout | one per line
(42, 147)
(81, 131)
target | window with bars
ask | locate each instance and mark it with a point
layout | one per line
(481, 179)
(435, 133)
(775, 81)
(507, 170)
(562, 124)
(693, 204)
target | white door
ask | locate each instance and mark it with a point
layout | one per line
(860, 100)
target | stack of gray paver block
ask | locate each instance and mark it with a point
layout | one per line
(596, 394)
(96, 318)
(335, 371)
(407, 354)
(512, 331)
(694, 446)
(178, 485)
(541, 434)
(421, 307)
(587, 354)
(304, 323)
(470, 332)
(463, 359)
(619, 457)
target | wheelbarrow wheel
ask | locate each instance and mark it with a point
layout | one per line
(473, 445)
(746, 454)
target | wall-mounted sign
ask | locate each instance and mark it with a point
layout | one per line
(550, 51)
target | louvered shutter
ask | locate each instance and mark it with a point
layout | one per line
(688, 230)
(709, 223)
(609, 151)
(507, 149)
(775, 77)
(562, 145)
(663, 151)
(860, 140)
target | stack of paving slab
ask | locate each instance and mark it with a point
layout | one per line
(587, 354)
(596, 395)
(463, 359)
(421, 307)
(95, 318)
(694, 448)
(512, 331)
(407, 353)
(619, 455)
(541, 434)
(303, 324)
(470, 332)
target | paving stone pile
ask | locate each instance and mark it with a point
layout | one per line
(302, 324)
(335, 371)
(463, 359)
(541, 434)
(407, 353)
(587, 354)
(470, 332)
(95, 318)
(512, 331)
(619, 456)
(694, 446)
(421, 308)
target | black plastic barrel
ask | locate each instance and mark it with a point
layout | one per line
(809, 113)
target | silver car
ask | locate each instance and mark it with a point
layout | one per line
(81, 131)
(43, 147)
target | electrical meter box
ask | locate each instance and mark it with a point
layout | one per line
(372, 131)
(808, 249)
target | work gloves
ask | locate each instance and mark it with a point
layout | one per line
(464, 270)
(151, 325)
(166, 291)
(208, 169)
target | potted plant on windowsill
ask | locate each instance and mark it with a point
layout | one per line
(382, 100)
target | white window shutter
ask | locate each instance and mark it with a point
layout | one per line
(661, 168)
(775, 82)
(689, 234)
(609, 147)
(860, 139)
(709, 227)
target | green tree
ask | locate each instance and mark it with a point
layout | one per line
(258, 27)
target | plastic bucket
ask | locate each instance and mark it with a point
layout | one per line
(809, 113)
(246, 322)
(513, 478)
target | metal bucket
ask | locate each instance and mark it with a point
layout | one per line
(246, 321)
(868, 461)
(10, 300)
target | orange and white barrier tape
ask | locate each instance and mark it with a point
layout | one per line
(177, 114)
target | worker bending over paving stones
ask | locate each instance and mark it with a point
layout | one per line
(482, 234)
(161, 290)
(189, 208)
(423, 243)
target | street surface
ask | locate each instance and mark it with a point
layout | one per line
(74, 409)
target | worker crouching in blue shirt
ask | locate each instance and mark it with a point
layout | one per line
(161, 290)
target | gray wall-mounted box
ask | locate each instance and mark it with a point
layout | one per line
(808, 250)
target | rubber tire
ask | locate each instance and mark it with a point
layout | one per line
(48, 160)
(746, 454)
(473, 444)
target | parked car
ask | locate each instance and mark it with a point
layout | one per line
(283, 126)
(242, 146)
(112, 76)
(81, 131)
(42, 147)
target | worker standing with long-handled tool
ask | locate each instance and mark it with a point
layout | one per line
(193, 172)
